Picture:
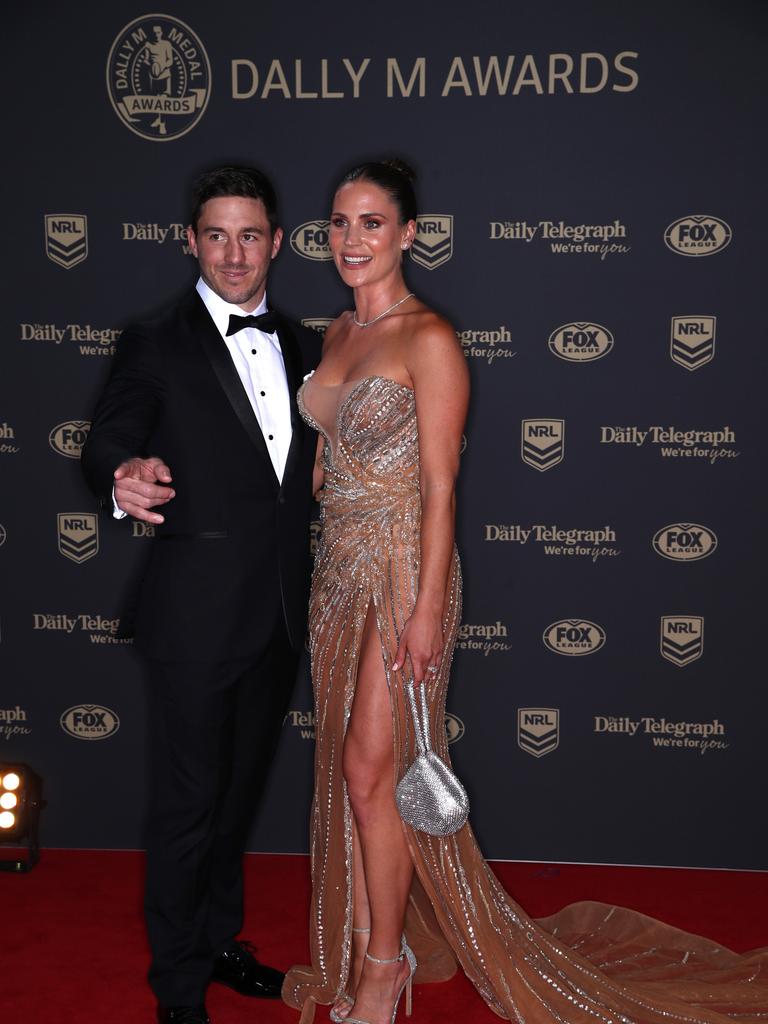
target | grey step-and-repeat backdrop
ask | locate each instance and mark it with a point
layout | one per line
(592, 193)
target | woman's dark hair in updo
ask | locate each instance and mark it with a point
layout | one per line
(394, 177)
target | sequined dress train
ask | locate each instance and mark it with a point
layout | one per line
(590, 962)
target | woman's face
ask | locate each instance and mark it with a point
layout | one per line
(366, 237)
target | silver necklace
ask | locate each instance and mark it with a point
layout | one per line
(367, 323)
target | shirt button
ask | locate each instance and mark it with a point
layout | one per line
(262, 393)
(271, 437)
(253, 351)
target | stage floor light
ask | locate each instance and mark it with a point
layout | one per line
(20, 805)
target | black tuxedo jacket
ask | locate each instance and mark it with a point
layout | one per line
(233, 552)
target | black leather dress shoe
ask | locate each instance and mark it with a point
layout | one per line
(183, 1015)
(239, 969)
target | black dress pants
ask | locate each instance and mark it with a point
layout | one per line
(213, 731)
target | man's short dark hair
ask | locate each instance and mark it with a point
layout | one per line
(248, 182)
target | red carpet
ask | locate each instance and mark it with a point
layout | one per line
(73, 948)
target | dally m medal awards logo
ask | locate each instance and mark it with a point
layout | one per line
(543, 443)
(310, 240)
(580, 342)
(158, 77)
(697, 235)
(433, 242)
(682, 638)
(538, 730)
(692, 343)
(78, 535)
(66, 238)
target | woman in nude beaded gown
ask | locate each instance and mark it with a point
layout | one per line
(389, 400)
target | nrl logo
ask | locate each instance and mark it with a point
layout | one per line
(78, 535)
(66, 238)
(318, 323)
(538, 730)
(543, 443)
(693, 341)
(682, 638)
(433, 242)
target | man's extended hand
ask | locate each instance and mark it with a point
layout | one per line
(138, 488)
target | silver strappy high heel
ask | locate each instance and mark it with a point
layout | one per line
(405, 953)
(336, 1017)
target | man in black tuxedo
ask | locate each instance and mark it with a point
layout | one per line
(198, 433)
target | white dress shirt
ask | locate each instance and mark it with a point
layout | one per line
(258, 359)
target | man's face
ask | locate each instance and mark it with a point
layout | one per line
(234, 246)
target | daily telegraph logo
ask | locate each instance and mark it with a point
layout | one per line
(684, 542)
(13, 723)
(682, 638)
(694, 736)
(433, 242)
(673, 442)
(89, 722)
(580, 342)
(485, 638)
(557, 540)
(318, 323)
(543, 443)
(488, 346)
(538, 730)
(158, 77)
(574, 637)
(78, 534)
(69, 437)
(601, 240)
(310, 240)
(697, 235)
(8, 444)
(66, 238)
(692, 342)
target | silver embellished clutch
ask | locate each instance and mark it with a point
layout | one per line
(429, 797)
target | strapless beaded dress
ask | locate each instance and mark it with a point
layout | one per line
(590, 962)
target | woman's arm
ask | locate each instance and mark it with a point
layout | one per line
(441, 382)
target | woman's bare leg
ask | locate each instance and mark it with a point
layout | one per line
(386, 862)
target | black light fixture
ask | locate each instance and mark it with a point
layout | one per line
(20, 805)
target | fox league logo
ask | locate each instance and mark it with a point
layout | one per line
(66, 238)
(158, 77)
(543, 443)
(69, 437)
(454, 727)
(89, 722)
(433, 242)
(538, 730)
(310, 240)
(580, 342)
(697, 235)
(78, 534)
(682, 638)
(692, 342)
(574, 637)
(684, 542)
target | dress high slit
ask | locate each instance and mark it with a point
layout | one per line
(590, 962)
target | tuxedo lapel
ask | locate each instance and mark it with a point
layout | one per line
(221, 362)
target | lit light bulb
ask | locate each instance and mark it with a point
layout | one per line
(8, 800)
(7, 820)
(11, 781)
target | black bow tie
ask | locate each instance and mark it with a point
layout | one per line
(266, 322)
